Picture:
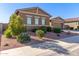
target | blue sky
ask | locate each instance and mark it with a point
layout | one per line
(64, 10)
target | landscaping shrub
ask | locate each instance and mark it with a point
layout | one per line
(43, 28)
(78, 27)
(40, 33)
(57, 31)
(34, 30)
(23, 38)
(7, 33)
(71, 28)
(49, 29)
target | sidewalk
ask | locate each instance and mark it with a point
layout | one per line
(71, 31)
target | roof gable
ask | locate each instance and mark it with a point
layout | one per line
(57, 20)
(35, 10)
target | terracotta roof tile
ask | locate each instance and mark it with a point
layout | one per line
(71, 19)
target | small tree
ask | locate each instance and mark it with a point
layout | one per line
(16, 25)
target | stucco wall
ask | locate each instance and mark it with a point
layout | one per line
(72, 24)
(57, 23)
(0, 28)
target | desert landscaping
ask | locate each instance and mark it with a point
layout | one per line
(38, 35)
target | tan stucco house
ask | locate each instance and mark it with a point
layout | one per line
(57, 22)
(72, 22)
(34, 17)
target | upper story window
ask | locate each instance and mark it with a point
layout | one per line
(43, 20)
(36, 20)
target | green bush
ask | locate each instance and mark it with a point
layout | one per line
(7, 33)
(71, 28)
(40, 33)
(57, 30)
(43, 28)
(23, 38)
(75, 29)
(34, 30)
(49, 29)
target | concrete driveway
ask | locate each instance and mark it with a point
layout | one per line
(66, 46)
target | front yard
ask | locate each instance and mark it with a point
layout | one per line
(9, 43)
(63, 45)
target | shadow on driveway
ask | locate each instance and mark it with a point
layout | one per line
(51, 45)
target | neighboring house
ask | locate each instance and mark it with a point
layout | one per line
(34, 17)
(72, 22)
(57, 22)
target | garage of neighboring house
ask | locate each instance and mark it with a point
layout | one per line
(57, 22)
(71, 23)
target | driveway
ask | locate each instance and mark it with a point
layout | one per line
(74, 39)
(66, 46)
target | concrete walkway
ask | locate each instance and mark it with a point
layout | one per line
(72, 31)
(67, 46)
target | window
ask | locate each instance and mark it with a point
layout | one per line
(43, 20)
(36, 20)
(29, 20)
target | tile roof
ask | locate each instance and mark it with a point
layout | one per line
(25, 9)
(56, 18)
(71, 19)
